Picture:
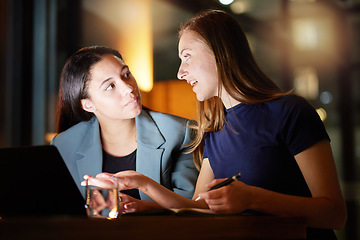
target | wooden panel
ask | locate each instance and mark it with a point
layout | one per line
(172, 96)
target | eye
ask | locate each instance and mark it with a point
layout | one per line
(127, 74)
(186, 57)
(111, 86)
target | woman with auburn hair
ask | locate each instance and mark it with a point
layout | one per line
(247, 124)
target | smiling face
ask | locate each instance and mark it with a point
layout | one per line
(113, 91)
(198, 66)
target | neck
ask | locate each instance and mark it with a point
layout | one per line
(228, 101)
(119, 138)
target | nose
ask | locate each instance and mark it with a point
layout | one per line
(181, 75)
(126, 88)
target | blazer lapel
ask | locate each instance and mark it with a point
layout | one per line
(149, 151)
(90, 151)
(148, 155)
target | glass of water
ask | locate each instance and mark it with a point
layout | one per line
(102, 200)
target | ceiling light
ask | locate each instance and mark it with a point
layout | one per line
(226, 2)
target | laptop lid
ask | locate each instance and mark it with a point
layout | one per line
(34, 181)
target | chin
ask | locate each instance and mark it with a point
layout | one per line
(137, 110)
(201, 98)
(140, 108)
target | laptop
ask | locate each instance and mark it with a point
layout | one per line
(34, 181)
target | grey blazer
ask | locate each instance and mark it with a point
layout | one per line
(161, 140)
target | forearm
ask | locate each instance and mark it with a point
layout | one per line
(158, 193)
(142, 205)
(166, 198)
(320, 212)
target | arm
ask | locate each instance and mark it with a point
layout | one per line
(162, 196)
(206, 175)
(326, 208)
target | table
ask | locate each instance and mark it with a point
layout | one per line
(155, 227)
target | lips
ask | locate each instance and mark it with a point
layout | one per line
(132, 100)
(193, 82)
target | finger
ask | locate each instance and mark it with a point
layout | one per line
(215, 182)
(86, 176)
(105, 183)
(219, 208)
(83, 183)
(104, 175)
(101, 176)
(125, 198)
(214, 202)
(97, 201)
(125, 173)
(217, 202)
(130, 207)
(213, 194)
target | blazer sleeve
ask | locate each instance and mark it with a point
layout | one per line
(184, 173)
(177, 169)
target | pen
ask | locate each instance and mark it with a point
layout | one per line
(223, 183)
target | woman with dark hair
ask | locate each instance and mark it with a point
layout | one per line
(102, 127)
(247, 124)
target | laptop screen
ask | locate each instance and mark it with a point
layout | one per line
(34, 181)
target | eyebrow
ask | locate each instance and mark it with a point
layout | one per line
(108, 79)
(183, 51)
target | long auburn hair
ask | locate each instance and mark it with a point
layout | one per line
(238, 73)
(73, 86)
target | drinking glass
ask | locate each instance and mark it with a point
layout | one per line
(102, 202)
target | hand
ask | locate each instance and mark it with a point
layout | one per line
(104, 180)
(126, 180)
(233, 198)
(96, 202)
(130, 180)
(130, 204)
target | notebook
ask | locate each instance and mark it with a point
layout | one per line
(34, 181)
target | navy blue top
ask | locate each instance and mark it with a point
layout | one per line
(260, 141)
(113, 164)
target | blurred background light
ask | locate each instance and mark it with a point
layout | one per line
(322, 113)
(138, 41)
(306, 34)
(306, 82)
(312, 1)
(129, 26)
(240, 6)
(326, 97)
(226, 2)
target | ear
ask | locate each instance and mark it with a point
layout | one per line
(87, 105)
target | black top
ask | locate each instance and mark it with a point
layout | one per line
(113, 164)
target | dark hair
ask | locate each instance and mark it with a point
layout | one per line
(74, 85)
(238, 72)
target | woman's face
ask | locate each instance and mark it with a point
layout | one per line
(114, 94)
(198, 66)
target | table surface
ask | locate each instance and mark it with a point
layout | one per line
(155, 227)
